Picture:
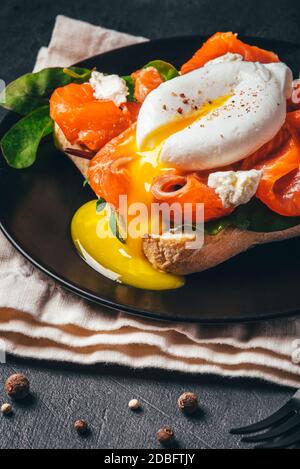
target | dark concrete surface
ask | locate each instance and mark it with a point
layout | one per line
(62, 393)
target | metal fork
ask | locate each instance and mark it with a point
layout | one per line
(283, 427)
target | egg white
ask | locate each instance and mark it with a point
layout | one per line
(252, 109)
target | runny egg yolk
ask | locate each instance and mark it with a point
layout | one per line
(126, 262)
(180, 122)
(123, 263)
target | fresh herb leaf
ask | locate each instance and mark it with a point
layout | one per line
(216, 226)
(254, 216)
(33, 90)
(86, 182)
(20, 144)
(167, 70)
(82, 77)
(100, 205)
(130, 85)
(114, 226)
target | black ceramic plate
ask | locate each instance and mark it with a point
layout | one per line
(37, 205)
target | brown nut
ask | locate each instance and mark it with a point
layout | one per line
(165, 435)
(81, 426)
(17, 386)
(188, 403)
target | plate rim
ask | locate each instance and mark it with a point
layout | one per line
(187, 37)
(113, 306)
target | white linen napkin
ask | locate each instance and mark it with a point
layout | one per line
(39, 319)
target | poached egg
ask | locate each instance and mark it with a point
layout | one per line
(249, 109)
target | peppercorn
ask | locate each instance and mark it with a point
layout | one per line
(81, 427)
(188, 403)
(17, 386)
(6, 409)
(165, 436)
(134, 404)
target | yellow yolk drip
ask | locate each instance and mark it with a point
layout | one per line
(121, 262)
(126, 263)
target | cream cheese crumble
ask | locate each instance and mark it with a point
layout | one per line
(109, 87)
(235, 187)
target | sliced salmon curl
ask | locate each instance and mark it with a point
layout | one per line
(85, 120)
(145, 81)
(108, 173)
(132, 109)
(189, 189)
(222, 43)
(266, 150)
(293, 119)
(293, 123)
(279, 187)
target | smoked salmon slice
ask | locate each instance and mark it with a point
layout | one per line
(279, 187)
(266, 150)
(293, 119)
(145, 81)
(85, 120)
(222, 43)
(176, 189)
(108, 173)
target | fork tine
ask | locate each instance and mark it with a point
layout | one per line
(275, 432)
(268, 422)
(282, 442)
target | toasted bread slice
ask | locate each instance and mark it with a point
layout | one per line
(62, 144)
(170, 253)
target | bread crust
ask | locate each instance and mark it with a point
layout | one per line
(170, 254)
(62, 143)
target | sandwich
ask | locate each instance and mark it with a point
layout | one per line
(217, 144)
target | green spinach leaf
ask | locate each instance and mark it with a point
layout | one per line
(130, 85)
(216, 226)
(100, 205)
(253, 216)
(167, 70)
(20, 144)
(81, 77)
(33, 90)
(115, 226)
